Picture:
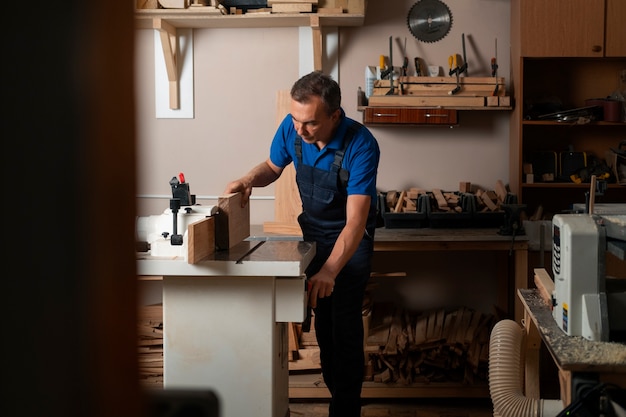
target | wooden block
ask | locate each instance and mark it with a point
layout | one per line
(348, 6)
(409, 205)
(200, 240)
(441, 201)
(412, 193)
(493, 101)
(329, 10)
(504, 101)
(398, 208)
(465, 187)
(545, 285)
(173, 4)
(485, 197)
(501, 191)
(391, 198)
(292, 8)
(232, 224)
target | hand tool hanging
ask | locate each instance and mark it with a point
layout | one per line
(405, 63)
(453, 62)
(418, 67)
(463, 68)
(494, 69)
(389, 70)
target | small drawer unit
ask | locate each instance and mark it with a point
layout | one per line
(409, 116)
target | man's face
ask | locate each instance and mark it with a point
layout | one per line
(312, 123)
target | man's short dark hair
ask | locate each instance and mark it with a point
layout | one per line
(318, 84)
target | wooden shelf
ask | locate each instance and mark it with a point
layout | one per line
(569, 124)
(566, 185)
(199, 19)
(168, 21)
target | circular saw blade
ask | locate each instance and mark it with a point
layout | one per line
(429, 20)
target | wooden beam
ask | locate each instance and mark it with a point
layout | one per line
(317, 42)
(169, 42)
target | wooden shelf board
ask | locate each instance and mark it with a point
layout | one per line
(564, 124)
(565, 185)
(188, 18)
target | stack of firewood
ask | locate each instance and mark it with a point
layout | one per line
(433, 346)
(150, 345)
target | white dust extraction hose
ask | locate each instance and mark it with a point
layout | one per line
(505, 376)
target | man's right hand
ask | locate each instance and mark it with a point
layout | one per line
(239, 186)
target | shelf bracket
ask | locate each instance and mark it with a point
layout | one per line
(168, 35)
(317, 42)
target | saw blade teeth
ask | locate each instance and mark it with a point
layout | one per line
(429, 20)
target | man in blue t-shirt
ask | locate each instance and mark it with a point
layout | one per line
(336, 161)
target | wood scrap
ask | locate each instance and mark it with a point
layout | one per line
(150, 345)
(432, 346)
(403, 201)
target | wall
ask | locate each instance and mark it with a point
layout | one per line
(238, 71)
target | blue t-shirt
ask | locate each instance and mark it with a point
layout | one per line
(360, 159)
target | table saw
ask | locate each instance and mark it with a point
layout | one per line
(226, 304)
(225, 322)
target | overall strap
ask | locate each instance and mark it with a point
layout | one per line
(298, 146)
(344, 175)
(350, 132)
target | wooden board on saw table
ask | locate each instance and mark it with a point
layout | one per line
(287, 203)
(201, 240)
(232, 223)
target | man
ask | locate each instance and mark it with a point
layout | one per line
(336, 161)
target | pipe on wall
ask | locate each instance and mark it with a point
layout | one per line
(506, 376)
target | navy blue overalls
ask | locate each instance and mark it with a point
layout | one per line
(338, 321)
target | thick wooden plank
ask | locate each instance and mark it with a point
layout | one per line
(232, 224)
(292, 8)
(287, 205)
(201, 240)
(544, 284)
(450, 101)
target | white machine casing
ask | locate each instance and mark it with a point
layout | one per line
(152, 228)
(579, 301)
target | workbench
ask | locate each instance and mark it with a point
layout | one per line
(513, 257)
(571, 354)
(465, 239)
(225, 322)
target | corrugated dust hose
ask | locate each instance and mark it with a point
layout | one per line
(506, 376)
